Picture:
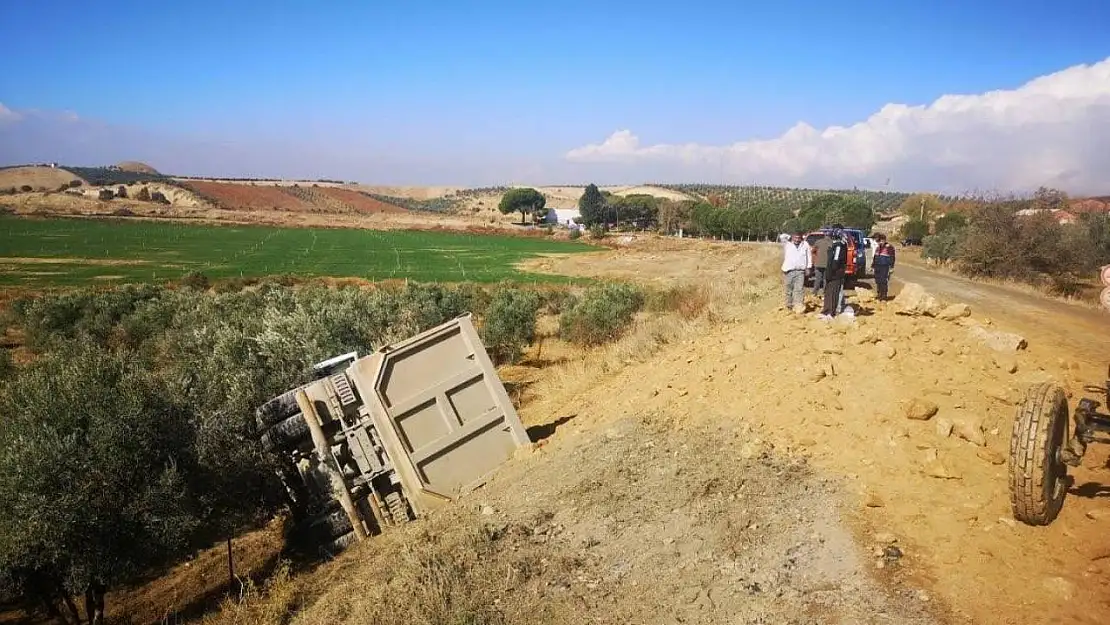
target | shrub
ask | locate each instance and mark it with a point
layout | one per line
(121, 191)
(689, 301)
(915, 229)
(105, 195)
(159, 197)
(196, 281)
(597, 231)
(7, 366)
(26, 188)
(143, 195)
(601, 315)
(510, 323)
(950, 221)
(575, 234)
(75, 183)
(943, 246)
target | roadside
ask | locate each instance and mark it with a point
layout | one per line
(1077, 330)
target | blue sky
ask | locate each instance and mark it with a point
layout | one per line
(421, 93)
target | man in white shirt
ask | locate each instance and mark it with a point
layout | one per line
(796, 261)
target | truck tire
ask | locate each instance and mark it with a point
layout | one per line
(398, 507)
(331, 526)
(277, 409)
(1038, 477)
(333, 547)
(287, 433)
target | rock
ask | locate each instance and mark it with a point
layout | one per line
(915, 301)
(1005, 342)
(969, 429)
(1059, 586)
(991, 456)
(864, 296)
(487, 510)
(886, 350)
(936, 350)
(1099, 514)
(750, 345)
(885, 538)
(921, 409)
(955, 311)
(829, 346)
(753, 449)
(815, 375)
(944, 427)
(1006, 364)
(938, 470)
(799, 309)
(1002, 395)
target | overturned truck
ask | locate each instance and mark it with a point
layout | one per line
(376, 441)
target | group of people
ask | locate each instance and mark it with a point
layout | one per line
(828, 260)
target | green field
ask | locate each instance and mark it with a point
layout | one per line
(63, 252)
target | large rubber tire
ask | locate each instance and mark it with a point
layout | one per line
(398, 508)
(1038, 477)
(286, 434)
(277, 409)
(330, 526)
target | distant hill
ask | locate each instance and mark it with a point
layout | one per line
(38, 178)
(137, 167)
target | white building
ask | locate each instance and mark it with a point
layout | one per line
(562, 216)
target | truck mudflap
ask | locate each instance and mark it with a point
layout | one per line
(441, 411)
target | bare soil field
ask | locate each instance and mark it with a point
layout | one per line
(39, 204)
(359, 202)
(49, 178)
(249, 197)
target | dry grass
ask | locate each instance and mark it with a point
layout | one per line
(453, 568)
(684, 312)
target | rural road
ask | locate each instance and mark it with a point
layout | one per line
(1075, 329)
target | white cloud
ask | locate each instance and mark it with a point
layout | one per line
(1052, 130)
(7, 115)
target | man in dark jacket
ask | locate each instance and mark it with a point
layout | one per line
(836, 268)
(883, 263)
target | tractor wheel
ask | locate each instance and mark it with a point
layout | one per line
(277, 409)
(331, 526)
(1038, 476)
(398, 508)
(286, 434)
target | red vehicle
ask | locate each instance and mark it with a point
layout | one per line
(857, 258)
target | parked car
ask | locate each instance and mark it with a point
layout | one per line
(858, 244)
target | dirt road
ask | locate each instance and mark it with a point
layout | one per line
(1081, 331)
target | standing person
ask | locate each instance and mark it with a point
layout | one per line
(883, 264)
(796, 260)
(836, 268)
(821, 259)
